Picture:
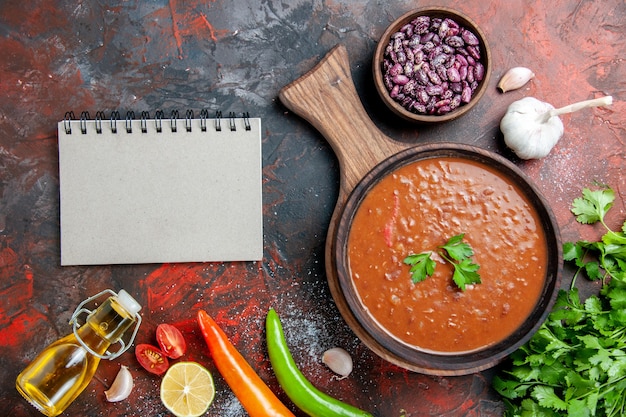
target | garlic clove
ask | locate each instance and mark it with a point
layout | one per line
(515, 78)
(339, 361)
(121, 387)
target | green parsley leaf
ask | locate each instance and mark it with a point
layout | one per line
(422, 266)
(465, 273)
(546, 397)
(593, 205)
(457, 249)
(572, 252)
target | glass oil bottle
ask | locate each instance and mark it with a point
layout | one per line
(64, 369)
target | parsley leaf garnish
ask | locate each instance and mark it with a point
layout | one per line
(457, 249)
(575, 364)
(457, 253)
(465, 273)
(422, 266)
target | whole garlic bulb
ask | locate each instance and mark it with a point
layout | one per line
(532, 127)
(525, 133)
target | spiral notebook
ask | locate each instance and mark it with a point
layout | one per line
(160, 190)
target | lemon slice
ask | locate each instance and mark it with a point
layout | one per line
(187, 389)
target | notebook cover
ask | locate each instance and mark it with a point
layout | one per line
(149, 197)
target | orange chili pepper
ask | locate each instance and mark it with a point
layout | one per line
(255, 396)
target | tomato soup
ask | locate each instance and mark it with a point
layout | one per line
(416, 209)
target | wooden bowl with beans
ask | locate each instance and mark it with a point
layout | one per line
(432, 65)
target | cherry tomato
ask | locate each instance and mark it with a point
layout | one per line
(171, 340)
(151, 358)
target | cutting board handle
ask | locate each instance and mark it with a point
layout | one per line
(327, 98)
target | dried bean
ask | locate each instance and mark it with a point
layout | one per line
(466, 95)
(463, 72)
(422, 77)
(418, 57)
(395, 90)
(450, 61)
(419, 108)
(436, 90)
(409, 87)
(438, 60)
(422, 96)
(433, 77)
(397, 44)
(407, 29)
(442, 72)
(444, 109)
(400, 57)
(470, 74)
(453, 75)
(388, 82)
(455, 101)
(400, 79)
(453, 27)
(443, 29)
(407, 102)
(421, 24)
(479, 71)
(447, 49)
(427, 37)
(456, 87)
(414, 41)
(395, 70)
(409, 69)
(474, 52)
(469, 37)
(455, 42)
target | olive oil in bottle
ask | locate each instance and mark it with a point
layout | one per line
(64, 369)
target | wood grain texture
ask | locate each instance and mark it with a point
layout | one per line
(327, 98)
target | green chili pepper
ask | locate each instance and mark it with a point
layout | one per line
(300, 390)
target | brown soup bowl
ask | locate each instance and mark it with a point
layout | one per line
(430, 360)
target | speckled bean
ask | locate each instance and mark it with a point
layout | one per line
(453, 75)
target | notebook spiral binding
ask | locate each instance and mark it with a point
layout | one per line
(115, 119)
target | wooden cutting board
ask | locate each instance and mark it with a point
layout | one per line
(327, 98)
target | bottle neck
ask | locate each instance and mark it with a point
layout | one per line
(93, 339)
(105, 326)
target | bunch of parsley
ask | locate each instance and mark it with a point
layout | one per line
(575, 365)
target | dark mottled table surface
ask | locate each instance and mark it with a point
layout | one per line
(60, 56)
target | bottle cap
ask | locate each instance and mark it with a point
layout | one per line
(128, 302)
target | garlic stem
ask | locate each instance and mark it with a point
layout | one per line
(596, 102)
